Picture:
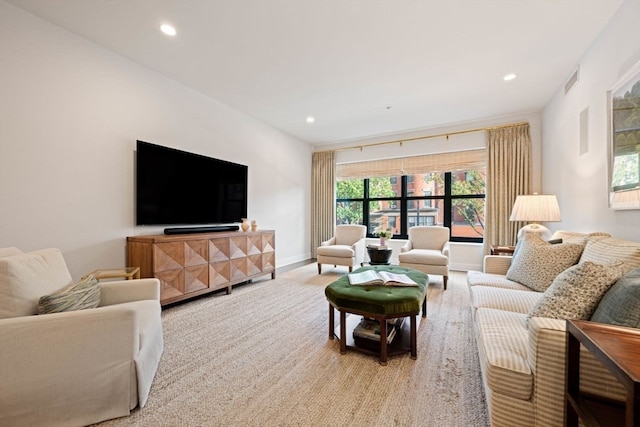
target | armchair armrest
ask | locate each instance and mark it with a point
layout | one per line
(496, 264)
(445, 249)
(359, 248)
(331, 241)
(406, 247)
(70, 363)
(121, 291)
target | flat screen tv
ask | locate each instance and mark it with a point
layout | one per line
(174, 187)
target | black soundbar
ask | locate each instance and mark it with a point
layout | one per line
(210, 229)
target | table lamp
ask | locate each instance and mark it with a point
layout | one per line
(535, 208)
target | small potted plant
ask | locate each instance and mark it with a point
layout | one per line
(383, 234)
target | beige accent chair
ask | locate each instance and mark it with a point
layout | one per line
(427, 250)
(78, 367)
(346, 247)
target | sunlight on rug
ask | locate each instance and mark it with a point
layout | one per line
(261, 357)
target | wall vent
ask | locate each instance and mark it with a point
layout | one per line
(572, 81)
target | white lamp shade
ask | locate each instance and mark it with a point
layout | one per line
(536, 208)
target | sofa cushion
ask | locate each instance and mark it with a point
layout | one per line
(538, 262)
(607, 249)
(502, 338)
(621, 304)
(504, 299)
(478, 278)
(424, 256)
(24, 278)
(576, 292)
(9, 251)
(78, 296)
(342, 251)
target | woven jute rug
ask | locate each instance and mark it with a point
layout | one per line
(261, 357)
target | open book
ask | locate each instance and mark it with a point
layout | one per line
(382, 278)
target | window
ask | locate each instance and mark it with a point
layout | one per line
(451, 199)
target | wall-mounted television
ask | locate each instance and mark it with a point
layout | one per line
(175, 187)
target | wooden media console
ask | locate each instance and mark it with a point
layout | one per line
(189, 265)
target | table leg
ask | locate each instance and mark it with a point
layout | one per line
(331, 322)
(414, 343)
(343, 332)
(424, 307)
(573, 379)
(383, 341)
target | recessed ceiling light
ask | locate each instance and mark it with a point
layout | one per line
(168, 29)
(509, 77)
(310, 119)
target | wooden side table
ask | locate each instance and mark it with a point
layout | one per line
(127, 273)
(502, 250)
(618, 349)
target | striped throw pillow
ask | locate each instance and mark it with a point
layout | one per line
(606, 250)
(78, 296)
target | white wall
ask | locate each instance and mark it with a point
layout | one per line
(580, 181)
(70, 114)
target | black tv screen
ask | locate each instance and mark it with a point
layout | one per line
(174, 187)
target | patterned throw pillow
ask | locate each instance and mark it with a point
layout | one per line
(576, 292)
(78, 296)
(538, 262)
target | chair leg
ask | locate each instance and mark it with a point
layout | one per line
(319, 268)
(350, 269)
(444, 279)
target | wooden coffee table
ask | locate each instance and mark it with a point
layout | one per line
(381, 303)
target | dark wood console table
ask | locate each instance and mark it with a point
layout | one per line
(618, 349)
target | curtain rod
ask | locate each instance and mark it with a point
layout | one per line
(416, 138)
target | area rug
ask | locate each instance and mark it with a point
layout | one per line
(262, 357)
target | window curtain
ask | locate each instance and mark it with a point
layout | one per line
(323, 198)
(508, 175)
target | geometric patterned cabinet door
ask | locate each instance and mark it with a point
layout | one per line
(189, 265)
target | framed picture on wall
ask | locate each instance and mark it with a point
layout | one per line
(624, 141)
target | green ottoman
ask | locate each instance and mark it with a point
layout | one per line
(378, 302)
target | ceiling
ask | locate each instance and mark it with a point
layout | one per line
(361, 68)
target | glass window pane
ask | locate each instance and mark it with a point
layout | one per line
(420, 184)
(426, 212)
(384, 213)
(626, 171)
(468, 182)
(467, 218)
(350, 188)
(349, 213)
(384, 187)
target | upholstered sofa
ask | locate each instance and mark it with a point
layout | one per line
(520, 327)
(91, 357)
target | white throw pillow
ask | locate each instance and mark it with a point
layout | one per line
(24, 278)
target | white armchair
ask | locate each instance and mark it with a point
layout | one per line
(427, 250)
(76, 367)
(346, 247)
